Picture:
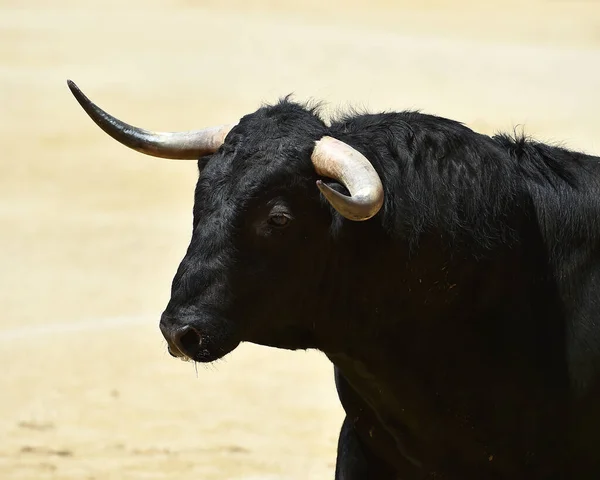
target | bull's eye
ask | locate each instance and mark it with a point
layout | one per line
(279, 220)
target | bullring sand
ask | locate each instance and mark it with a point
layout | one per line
(92, 232)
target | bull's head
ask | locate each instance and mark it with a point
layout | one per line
(261, 254)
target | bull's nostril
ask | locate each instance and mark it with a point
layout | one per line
(188, 340)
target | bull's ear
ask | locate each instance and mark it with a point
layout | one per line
(202, 161)
(335, 159)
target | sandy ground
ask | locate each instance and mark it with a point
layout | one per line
(91, 232)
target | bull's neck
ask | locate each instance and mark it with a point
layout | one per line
(400, 303)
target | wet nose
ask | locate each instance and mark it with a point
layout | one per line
(183, 341)
(187, 340)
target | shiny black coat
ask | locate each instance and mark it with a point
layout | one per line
(462, 320)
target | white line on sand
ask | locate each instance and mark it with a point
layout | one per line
(76, 326)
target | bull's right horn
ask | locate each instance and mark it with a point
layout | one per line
(337, 160)
(189, 145)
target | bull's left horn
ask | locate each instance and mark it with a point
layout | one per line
(189, 145)
(337, 160)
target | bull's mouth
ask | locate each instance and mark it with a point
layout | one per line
(204, 355)
(175, 353)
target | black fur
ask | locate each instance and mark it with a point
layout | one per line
(462, 320)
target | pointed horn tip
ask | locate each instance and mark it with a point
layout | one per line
(77, 93)
(323, 186)
(72, 86)
(361, 216)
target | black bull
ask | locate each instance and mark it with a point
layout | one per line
(452, 278)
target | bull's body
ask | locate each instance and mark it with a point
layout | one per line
(475, 356)
(462, 319)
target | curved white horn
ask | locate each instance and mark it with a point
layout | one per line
(189, 145)
(337, 160)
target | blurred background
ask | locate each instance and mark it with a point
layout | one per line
(92, 232)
